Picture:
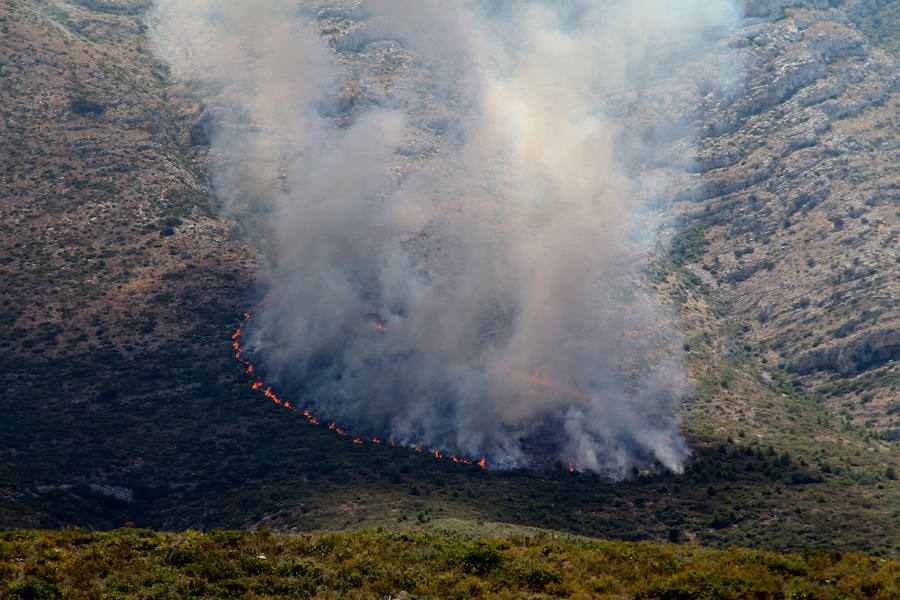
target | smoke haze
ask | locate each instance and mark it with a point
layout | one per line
(457, 198)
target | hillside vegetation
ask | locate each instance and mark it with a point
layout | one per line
(418, 563)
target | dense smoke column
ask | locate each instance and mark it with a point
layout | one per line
(457, 242)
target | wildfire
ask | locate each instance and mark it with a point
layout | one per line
(541, 380)
(544, 380)
(535, 377)
(259, 383)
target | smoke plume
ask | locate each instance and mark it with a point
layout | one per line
(458, 201)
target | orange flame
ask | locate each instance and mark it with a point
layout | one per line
(268, 393)
(538, 379)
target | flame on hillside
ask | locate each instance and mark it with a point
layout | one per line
(260, 384)
(535, 377)
(466, 216)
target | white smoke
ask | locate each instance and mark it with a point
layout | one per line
(457, 197)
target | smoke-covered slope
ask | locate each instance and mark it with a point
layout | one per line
(482, 295)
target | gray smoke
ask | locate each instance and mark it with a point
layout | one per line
(458, 201)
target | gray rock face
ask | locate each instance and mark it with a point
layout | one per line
(799, 67)
(802, 73)
(834, 40)
(855, 356)
(774, 9)
(801, 167)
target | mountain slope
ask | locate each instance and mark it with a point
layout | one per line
(800, 217)
(123, 284)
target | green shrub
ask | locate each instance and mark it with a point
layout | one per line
(34, 589)
(481, 558)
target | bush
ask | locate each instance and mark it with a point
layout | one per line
(83, 106)
(133, 563)
(688, 244)
(537, 578)
(720, 521)
(481, 558)
(33, 589)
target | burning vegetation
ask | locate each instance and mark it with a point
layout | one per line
(259, 384)
(458, 245)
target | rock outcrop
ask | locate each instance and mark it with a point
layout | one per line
(859, 354)
(802, 168)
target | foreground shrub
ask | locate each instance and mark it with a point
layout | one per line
(133, 563)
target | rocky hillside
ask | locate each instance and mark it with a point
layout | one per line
(797, 205)
(114, 261)
(106, 224)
